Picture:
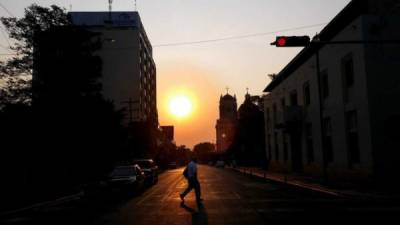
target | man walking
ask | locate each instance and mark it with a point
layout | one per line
(190, 174)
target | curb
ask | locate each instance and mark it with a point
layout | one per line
(299, 185)
(37, 206)
(349, 194)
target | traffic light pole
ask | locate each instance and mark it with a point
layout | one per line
(321, 119)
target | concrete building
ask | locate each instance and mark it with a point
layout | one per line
(226, 124)
(342, 122)
(129, 71)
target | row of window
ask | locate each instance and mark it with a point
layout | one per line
(348, 83)
(352, 141)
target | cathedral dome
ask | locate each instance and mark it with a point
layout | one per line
(228, 97)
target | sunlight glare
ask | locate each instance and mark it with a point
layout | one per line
(180, 106)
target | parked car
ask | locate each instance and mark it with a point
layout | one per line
(172, 165)
(149, 168)
(220, 164)
(127, 178)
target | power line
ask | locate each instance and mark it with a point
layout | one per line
(5, 9)
(237, 37)
(3, 32)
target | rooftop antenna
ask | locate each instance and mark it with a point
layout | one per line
(247, 90)
(135, 5)
(109, 9)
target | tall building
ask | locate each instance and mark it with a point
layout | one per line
(341, 122)
(226, 124)
(129, 71)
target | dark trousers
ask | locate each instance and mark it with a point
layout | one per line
(193, 183)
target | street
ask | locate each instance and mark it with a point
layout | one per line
(229, 198)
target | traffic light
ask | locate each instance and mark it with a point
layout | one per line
(291, 41)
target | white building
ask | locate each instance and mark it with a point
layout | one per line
(359, 91)
(129, 71)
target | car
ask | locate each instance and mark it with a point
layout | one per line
(149, 168)
(220, 164)
(172, 165)
(128, 178)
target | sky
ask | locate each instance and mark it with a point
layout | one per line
(203, 71)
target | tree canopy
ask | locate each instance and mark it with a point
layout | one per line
(17, 71)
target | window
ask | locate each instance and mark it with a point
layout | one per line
(324, 84)
(269, 147)
(274, 113)
(293, 98)
(307, 95)
(276, 146)
(309, 143)
(327, 132)
(352, 137)
(348, 71)
(285, 148)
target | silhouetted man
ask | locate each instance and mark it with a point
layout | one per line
(191, 175)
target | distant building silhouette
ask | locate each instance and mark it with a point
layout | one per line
(168, 131)
(249, 141)
(357, 137)
(226, 124)
(129, 71)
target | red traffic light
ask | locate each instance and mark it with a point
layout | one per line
(292, 41)
(281, 41)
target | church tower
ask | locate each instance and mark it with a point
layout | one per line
(226, 124)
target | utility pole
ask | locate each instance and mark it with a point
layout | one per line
(136, 5)
(321, 117)
(109, 9)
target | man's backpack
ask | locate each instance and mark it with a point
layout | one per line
(185, 173)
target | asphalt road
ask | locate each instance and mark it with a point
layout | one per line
(229, 198)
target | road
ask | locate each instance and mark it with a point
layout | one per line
(229, 198)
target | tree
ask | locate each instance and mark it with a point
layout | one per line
(17, 72)
(204, 151)
(248, 147)
(68, 132)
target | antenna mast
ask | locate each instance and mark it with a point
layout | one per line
(136, 5)
(109, 9)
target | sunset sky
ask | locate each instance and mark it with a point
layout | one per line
(202, 71)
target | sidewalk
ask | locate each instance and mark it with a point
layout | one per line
(37, 206)
(314, 185)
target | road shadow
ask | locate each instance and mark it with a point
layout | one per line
(200, 216)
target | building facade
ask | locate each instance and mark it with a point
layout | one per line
(226, 124)
(129, 71)
(340, 122)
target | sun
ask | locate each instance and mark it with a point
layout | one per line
(180, 106)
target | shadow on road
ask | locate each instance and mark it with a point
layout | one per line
(199, 217)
